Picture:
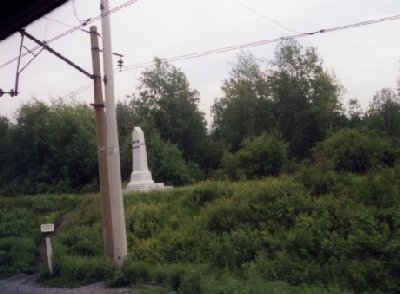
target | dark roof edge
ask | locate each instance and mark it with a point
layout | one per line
(27, 12)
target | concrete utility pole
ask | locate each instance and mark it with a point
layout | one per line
(117, 203)
(101, 138)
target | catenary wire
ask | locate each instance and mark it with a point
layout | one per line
(230, 48)
(262, 42)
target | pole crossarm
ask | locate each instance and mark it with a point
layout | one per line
(45, 46)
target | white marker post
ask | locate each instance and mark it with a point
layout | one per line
(47, 229)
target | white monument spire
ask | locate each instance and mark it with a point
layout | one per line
(141, 179)
(140, 171)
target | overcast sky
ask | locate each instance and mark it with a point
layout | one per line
(363, 59)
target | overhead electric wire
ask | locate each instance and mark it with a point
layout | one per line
(262, 42)
(79, 90)
(73, 29)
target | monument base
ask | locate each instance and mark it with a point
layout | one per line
(145, 187)
(141, 177)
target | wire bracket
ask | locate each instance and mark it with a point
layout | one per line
(95, 105)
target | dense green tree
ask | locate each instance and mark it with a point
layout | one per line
(306, 99)
(355, 113)
(166, 97)
(4, 125)
(4, 131)
(384, 113)
(295, 96)
(245, 108)
(50, 149)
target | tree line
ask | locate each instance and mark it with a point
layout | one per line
(273, 117)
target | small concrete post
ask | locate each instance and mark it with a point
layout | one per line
(47, 229)
(49, 254)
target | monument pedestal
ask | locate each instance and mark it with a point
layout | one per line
(143, 187)
(141, 179)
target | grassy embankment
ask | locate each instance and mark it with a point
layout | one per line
(20, 219)
(308, 233)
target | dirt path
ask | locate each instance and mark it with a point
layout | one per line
(26, 284)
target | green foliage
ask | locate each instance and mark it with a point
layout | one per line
(80, 269)
(383, 113)
(295, 96)
(356, 151)
(78, 246)
(17, 254)
(245, 108)
(20, 219)
(306, 98)
(259, 156)
(317, 179)
(250, 237)
(218, 237)
(166, 162)
(49, 150)
(166, 97)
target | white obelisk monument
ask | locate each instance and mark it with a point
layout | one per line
(141, 179)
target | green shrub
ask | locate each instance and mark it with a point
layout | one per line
(131, 273)
(84, 240)
(17, 255)
(82, 269)
(144, 220)
(193, 280)
(258, 157)
(167, 164)
(379, 188)
(355, 151)
(317, 180)
(170, 275)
